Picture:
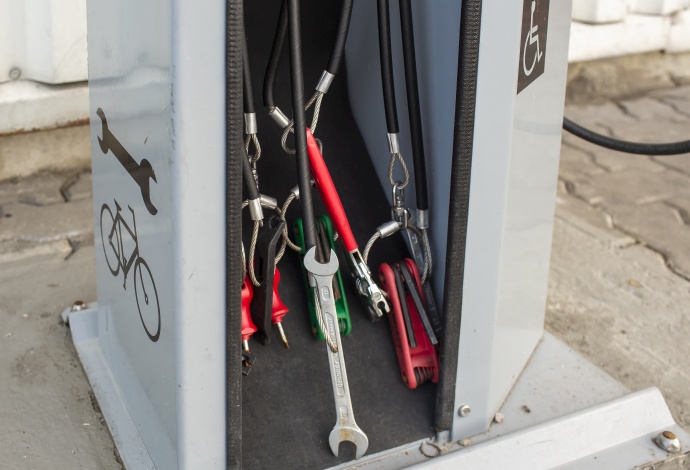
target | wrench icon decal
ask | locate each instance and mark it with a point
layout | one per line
(142, 172)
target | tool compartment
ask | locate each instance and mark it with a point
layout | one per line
(287, 399)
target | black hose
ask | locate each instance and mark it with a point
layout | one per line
(340, 37)
(458, 212)
(387, 67)
(297, 84)
(234, 31)
(413, 108)
(674, 148)
(274, 58)
(248, 95)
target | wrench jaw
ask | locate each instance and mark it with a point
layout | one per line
(372, 296)
(350, 433)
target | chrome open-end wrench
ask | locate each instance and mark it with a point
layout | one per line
(345, 429)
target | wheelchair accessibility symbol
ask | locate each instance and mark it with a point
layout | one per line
(535, 17)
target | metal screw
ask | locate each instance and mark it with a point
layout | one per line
(668, 441)
(464, 410)
(78, 305)
(15, 73)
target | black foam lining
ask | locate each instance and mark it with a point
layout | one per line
(287, 400)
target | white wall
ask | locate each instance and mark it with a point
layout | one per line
(44, 39)
(610, 28)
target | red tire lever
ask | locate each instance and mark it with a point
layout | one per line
(371, 294)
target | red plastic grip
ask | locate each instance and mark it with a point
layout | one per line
(248, 326)
(329, 195)
(423, 357)
(279, 308)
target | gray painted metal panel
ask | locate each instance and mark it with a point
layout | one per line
(512, 201)
(144, 59)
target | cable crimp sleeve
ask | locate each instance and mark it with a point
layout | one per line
(389, 228)
(325, 82)
(255, 211)
(250, 123)
(279, 117)
(393, 144)
(268, 202)
(422, 219)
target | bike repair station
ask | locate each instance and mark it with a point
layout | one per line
(316, 212)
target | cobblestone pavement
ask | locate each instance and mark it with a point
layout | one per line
(626, 305)
(619, 287)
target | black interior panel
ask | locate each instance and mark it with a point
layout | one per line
(287, 400)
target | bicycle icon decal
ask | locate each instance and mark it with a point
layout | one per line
(115, 232)
(535, 16)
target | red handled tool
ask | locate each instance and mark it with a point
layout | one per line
(279, 309)
(370, 293)
(248, 326)
(412, 335)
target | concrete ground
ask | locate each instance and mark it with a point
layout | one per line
(619, 288)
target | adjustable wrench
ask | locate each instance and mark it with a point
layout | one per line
(345, 429)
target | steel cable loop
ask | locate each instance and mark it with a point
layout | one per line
(391, 167)
(317, 97)
(252, 250)
(369, 245)
(322, 324)
(248, 267)
(293, 246)
(252, 138)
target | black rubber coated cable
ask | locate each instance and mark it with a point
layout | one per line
(340, 37)
(297, 85)
(248, 90)
(413, 108)
(248, 177)
(274, 58)
(673, 148)
(234, 31)
(337, 51)
(387, 67)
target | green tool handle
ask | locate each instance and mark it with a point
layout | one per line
(342, 310)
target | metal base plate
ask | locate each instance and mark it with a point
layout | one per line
(562, 413)
(84, 327)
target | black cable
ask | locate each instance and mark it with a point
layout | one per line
(234, 30)
(297, 84)
(248, 176)
(458, 212)
(274, 58)
(248, 95)
(340, 37)
(674, 148)
(413, 108)
(387, 67)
